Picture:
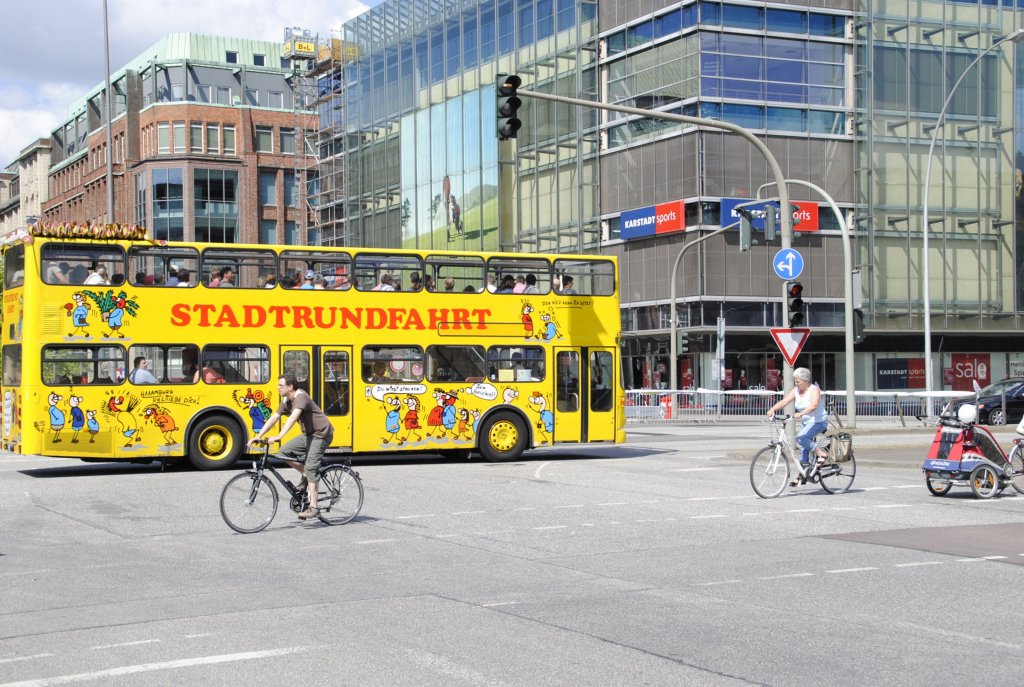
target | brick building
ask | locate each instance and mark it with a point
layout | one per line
(207, 136)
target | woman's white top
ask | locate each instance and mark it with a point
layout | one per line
(803, 401)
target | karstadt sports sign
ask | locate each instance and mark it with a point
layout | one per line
(663, 218)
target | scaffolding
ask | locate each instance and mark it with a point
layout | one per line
(319, 89)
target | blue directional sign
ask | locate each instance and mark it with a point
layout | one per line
(788, 264)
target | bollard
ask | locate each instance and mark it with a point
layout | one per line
(666, 407)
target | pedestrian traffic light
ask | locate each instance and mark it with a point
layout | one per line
(795, 299)
(507, 106)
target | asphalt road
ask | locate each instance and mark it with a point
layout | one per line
(651, 563)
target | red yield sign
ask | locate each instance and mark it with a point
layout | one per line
(790, 341)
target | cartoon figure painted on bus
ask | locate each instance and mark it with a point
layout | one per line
(509, 395)
(21, 314)
(164, 422)
(411, 420)
(547, 418)
(78, 311)
(113, 309)
(393, 419)
(434, 419)
(548, 328)
(93, 424)
(528, 320)
(77, 416)
(8, 412)
(122, 409)
(56, 417)
(258, 404)
(448, 414)
(467, 423)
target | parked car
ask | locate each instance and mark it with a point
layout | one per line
(990, 402)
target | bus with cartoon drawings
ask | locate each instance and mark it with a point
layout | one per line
(172, 351)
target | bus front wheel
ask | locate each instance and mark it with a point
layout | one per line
(216, 442)
(503, 437)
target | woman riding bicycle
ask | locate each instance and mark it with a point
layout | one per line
(810, 410)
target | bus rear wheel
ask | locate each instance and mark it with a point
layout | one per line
(503, 437)
(215, 442)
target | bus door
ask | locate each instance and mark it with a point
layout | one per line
(584, 401)
(323, 373)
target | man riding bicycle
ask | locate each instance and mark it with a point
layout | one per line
(305, 452)
(811, 412)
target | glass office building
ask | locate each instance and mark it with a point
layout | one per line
(845, 94)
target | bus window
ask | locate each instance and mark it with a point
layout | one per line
(588, 277)
(161, 266)
(336, 383)
(235, 365)
(14, 266)
(237, 268)
(519, 275)
(77, 365)
(454, 274)
(456, 364)
(568, 381)
(392, 364)
(296, 364)
(332, 269)
(515, 363)
(68, 263)
(12, 365)
(601, 398)
(386, 272)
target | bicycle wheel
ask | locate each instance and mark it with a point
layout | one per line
(769, 472)
(248, 502)
(1017, 463)
(838, 477)
(339, 495)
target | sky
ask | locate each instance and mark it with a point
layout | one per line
(53, 49)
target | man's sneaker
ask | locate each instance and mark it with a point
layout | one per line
(309, 513)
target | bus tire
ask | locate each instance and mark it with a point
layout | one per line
(215, 442)
(503, 437)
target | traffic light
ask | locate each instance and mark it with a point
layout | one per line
(858, 326)
(769, 222)
(745, 228)
(682, 342)
(507, 106)
(795, 299)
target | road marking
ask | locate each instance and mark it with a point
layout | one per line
(844, 508)
(994, 558)
(803, 510)
(615, 503)
(849, 570)
(694, 469)
(410, 517)
(615, 522)
(26, 572)
(24, 658)
(150, 667)
(783, 577)
(874, 488)
(588, 524)
(670, 520)
(552, 527)
(913, 565)
(578, 505)
(468, 512)
(754, 513)
(524, 509)
(893, 505)
(969, 560)
(495, 532)
(379, 541)
(501, 603)
(706, 498)
(136, 643)
(909, 486)
(706, 517)
(648, 520)
(536, 474)
(204, 634)
(712, 584)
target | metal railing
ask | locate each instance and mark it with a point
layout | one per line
(706, 405)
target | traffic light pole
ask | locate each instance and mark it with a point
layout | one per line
(773, 164)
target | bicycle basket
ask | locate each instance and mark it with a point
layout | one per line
(840, 447)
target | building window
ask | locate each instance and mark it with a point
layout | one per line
(229, 140)
(252, 97)
(196, 141)
(268, 187)
(291, 190)
(291, 234)
(140, 199)
(223, 95)
(259, 60)
(288, 141)
(204, 93)
(231, 57)
(216, 205)
(179, 137)
(213, 139)
(163, 138)
(268, 232)
(275, 99)
(264, 139)
(168, 204)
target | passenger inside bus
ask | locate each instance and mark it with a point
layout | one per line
(211, 375)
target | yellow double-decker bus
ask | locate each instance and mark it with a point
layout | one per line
(116, 347)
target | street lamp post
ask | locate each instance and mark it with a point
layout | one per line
(926, 289)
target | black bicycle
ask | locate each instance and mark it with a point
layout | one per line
(248, 502)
